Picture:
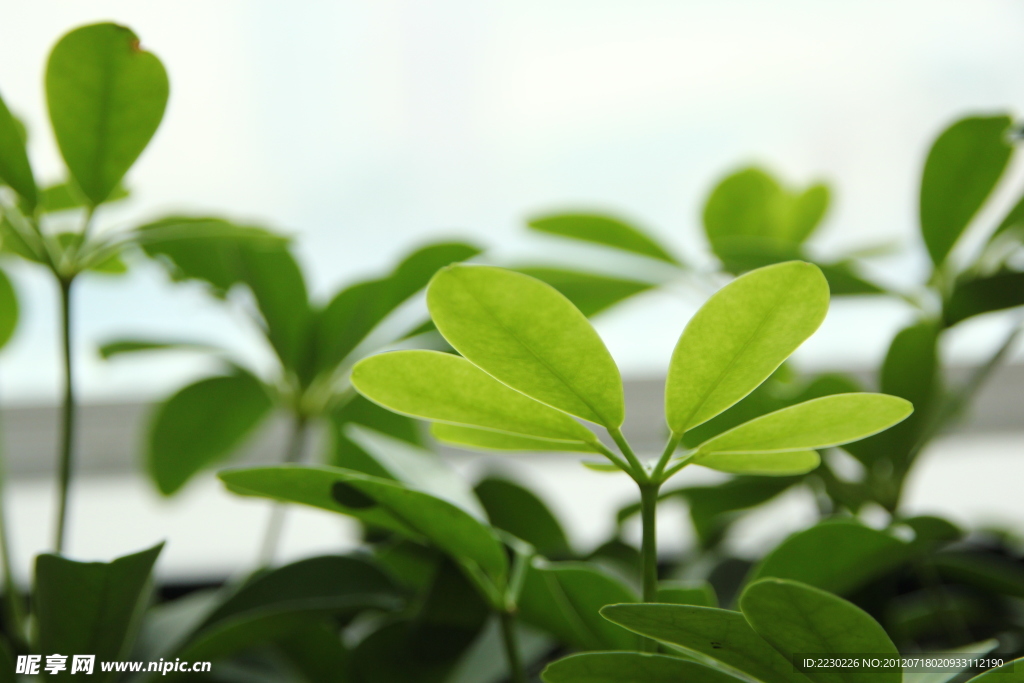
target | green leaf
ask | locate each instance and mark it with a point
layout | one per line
(837, 556)
(721, 635)
(528, 336)
(439, 386)
(604, 230)
(28, 246)
(1011, 672)
(90, 607)
(818, 423)
(992, 573)
(964, 654)
(122, 347)
(517, 510)
(356, 310)
(15, 169)
(317, 652)
(975, 296)
(474, 439)
(699, 593)
(630, 667)
(798, 619)
(8, 309)
(843, 280)
(774, 463)
(447, 526)
(106, 97)
(713, 508)
(201, 425)
(345, 452)
(224, 255)
(588, 292)
(565, 599)
(284, 599)
(740, 337)
(962, 168)
(65, 196)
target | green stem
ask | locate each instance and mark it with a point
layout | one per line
(649, 549)
(275, 526)
(510, 638)
(640, 473)
(666, 456)
(67, 416)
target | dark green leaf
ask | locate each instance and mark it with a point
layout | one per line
(128, 346)
(201, 425)
(517, 510)
(962, 168)
(588, 292)
(992, 573)
(15, 169)
(699, 593)
(347, 453)
(446, 388)
(712, 508)
(838, 556)
(565, 599)
(106, 97)
(798, 619)
(843, 280)
(1011, 672)
(527, 335)
(90, 607)
(604, 230)
(983, 294)
(630, 667)
(721, 635)
(8, 309)
(317, 651)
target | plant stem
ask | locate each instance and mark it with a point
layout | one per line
(649, 549)
(666, 456)
(67, 416)
(640, 473)
(508, 635)
(275, 526)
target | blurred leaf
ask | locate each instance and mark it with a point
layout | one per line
(202, 424)
(8, 309)
(1013, 220)
(357, 410)
(517, 510)
(965, 654)
(446, 525)
(721, 635)
(837, 556)
(739, 337)
(992, 573)
(818, 423)
(525, 334)
(356, 310)
(111, 265)
(224, 255)
(630, 667)
(699, 593)
(1011, 672)
(565, 599)
(121, 347)
(15, 169)
(473, 439)
(983, 294)
(317, 652)
(930, 529)
(773, 463)
(604, 230)
(279, 601)
(106, 97)
(713, 507)
(90, 607)
(439, 386)
(65, 196)
(798, 619)
(962, 168)
(843, 280)
(588, 292)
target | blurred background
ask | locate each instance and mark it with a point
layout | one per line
(364, 129)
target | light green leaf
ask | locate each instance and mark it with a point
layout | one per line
(106, 97)
(774, 463)
(630, 667)
(201, 425)
(740, 337)
(517, 510)
(127, 346)
(15, 169)
(720, 635)
(445, 388)
(8, 309)
(818, 423)
(798, 619)
(473, 438)
(29, 246)
(962, 168)
(90, 607)
(604, 230)
(528, 336)
(65, 196)
(588, 292)
(838, 556)
(447, 526)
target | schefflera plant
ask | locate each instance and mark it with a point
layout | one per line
(532, 369)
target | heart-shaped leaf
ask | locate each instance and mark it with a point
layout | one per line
(630, 667)
(529, 336)
(605, 230)
(797, 619)
(740, 337)
(445, 388)
(15, 169)
(106, 97)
